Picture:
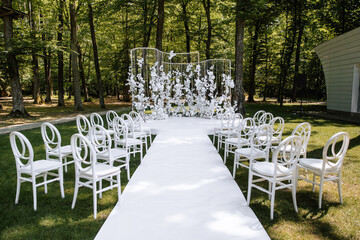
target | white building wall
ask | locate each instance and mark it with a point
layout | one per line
(339, 57)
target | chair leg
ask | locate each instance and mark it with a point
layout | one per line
(119, 185)
(17, 189)
(34, 192)
(100, 187)
(339, 188)
(234, 170)
(249, 188)
(294, 186)
(61, 180)
(65, 163)
(128, 167)
(314, 176)
(321, 190)
(141, 153)
(225, 152)
(45, 185)
(272, 201)
(75, 192)
(94, 198)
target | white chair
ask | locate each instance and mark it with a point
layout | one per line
(138, 124)
(83, 125)
(242, 138)
(110, 115)
(304, 131)
(132, 145)
(277, 124)
(226, 131)
(53, 149)
(257, 149)
(96, 119)
(88, 171)
(280, 172)
(25, 165)
(102, 143)
(266, 118)
(329, 167)
(132, 133)
(258, 115)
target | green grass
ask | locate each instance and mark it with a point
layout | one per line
(55, 219)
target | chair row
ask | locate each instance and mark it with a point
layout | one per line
(85, 150)
(253, 139)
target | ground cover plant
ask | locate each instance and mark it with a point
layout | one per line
(56, 220)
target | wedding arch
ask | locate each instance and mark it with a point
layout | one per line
(179, 84)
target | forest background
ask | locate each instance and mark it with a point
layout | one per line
(80, 48)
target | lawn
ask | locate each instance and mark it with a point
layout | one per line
(56, 220)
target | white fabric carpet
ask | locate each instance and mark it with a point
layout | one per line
(182, 190)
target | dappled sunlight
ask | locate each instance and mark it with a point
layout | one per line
(235, 224)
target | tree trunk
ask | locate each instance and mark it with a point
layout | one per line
(266, 68)
(239, 95)
(125, 89)
(206, 4)
(48, 80)
(147, 26)
(82, 74)
(18, 109)
(69, 77)
(254, 58)
(297, 56)
(186, 26)
(61, 101)
(96, 58)
(74, 63)
(34, 60)
(160, 24)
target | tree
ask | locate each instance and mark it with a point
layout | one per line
(160, 24)
(206, 4)
(61, 101)
(239, 95)
(74, 59)
(96, 57)
(18, 108)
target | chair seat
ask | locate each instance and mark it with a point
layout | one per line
(129, 141)
(138, 134)
(235, 141)
(115, 153)
(267, 169)
(40, 166)
(313, 163)
(246, 152)
(110, 131)
(102, 169)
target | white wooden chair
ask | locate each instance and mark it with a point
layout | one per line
(138, 124)
(29, 170)
(102, 143)
(53, 149)
(132, 133)
(260, 141)
(83, 125)
(241, 139)
(329, 167)
(257, 116)
(132, 145)
(280, 172)
(96, 119)
(88, 172)
(110, 115)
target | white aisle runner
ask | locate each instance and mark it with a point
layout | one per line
(182, 191)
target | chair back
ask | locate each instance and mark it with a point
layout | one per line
(100, 138)
(237, 119)
(261, 137)
(277, 125)
(245, 129)
(83, 125)
(303, 130)
(120, 128)
(96, 119)
(137, 120)
(110, 115)
(52, 140)
(84, 153)
(129, 122)
(335, 150)
(227, 121)
(286, 161)
(266, 118)
(22, 150)
(258, 115)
